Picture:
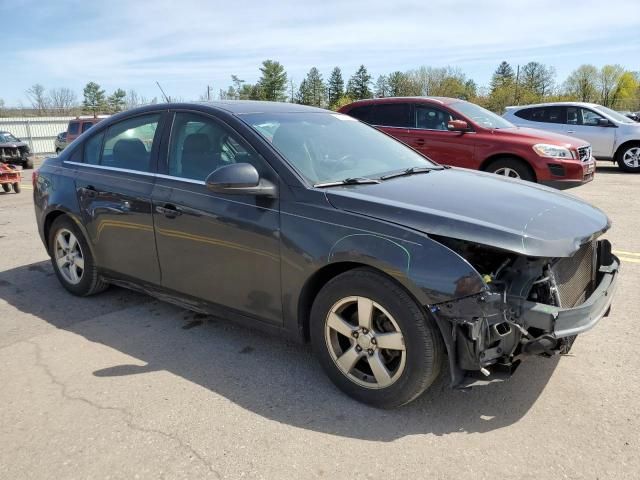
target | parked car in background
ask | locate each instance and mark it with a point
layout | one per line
(61, 142)
(612, 135)
(80, 125)
(462, 134)
(635, 116)
(308, 223)
(14, 151)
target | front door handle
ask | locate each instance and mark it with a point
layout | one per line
(89, 191)
(420, 142)
(169, 210)
(571, 131)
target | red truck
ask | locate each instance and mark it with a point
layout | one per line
(461, 134)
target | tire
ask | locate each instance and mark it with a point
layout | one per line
(58, 151)
(407, 373)
(512, 168)
(86, 280)
(16, 187)
(6, 187)
(628, 158)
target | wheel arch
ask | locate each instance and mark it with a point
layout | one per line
(624, 146)
(508, 156)
(51, 217)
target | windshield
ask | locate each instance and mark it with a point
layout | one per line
(618, 117)
(7, 138)
(481, 116)
(328, 147)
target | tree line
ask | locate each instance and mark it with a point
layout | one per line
(610, 85)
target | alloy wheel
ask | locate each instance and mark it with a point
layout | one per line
(68, 256)
(507, 172)
(631, 157)
(365, 342)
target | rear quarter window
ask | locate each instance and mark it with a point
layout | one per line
(362, 113)
(73, 128)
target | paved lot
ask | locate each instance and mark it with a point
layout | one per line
(124, 386)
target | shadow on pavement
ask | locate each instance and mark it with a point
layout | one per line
(271, 377)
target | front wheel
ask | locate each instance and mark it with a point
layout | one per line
(72, 259)
(373, 340)
(6, 187)
(629, 158)
(16, 187)
(512, 168)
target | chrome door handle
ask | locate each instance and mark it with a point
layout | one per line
(169, 211)
(571, 131)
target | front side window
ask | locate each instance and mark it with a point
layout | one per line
(86, 126)
(326, 147)
(199, 145)
(128, 144)
(392, 115)
(590, 118)
(431, 118)
(573, 116)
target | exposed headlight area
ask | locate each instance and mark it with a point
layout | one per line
(553, 151)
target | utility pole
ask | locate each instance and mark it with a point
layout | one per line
(517, 83)
(208, 93)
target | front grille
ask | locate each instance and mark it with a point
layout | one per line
(584, 153)
(575, 276)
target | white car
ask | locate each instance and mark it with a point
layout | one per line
(612, 135)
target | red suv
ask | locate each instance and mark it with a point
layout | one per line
(462, 134)
(80, 125)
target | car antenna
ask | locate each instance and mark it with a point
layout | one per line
(167, 99)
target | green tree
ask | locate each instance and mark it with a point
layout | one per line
(94, 98)
(608, 80)
(502, 76)
(381, 88)
(117, 101)
(335, 87)
(502, 88)
(272, 85)
(536, 80)
(582, 83)
(625, 95)
(315, 88)
(358, 86)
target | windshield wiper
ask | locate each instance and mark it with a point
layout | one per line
(347, 181)
(406, 172)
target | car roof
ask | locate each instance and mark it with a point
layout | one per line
(433, 100)
(554, 104)
(253, 106)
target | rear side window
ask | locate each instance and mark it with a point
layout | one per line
(542, 114)
(92, 149)
(362, 113)
(431, 118)
(86, 126)
(128, 144)
(392, 115)
(73, 128)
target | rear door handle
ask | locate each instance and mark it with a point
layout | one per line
(169, 210)
(420, 142)
(571, 131)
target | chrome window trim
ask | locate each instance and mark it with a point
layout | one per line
(138, 172)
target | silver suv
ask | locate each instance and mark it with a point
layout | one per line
(612, 135)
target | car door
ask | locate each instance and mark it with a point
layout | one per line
(583, 123)
(113, 185)
(221, 248)
(431, 137)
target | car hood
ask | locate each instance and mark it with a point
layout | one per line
(12, 144)
(540, 136)
(487, 209)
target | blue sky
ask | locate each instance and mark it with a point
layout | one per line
(187, 44)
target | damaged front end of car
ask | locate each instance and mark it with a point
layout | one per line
(529, 306)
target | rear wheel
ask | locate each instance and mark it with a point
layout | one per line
(512, 168)
(373, 340)
(16, 187)
(72, 259)
(6, 187)
(629, 158)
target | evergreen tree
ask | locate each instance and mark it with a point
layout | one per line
(94, 98)
(117, 101)
(315, 87)
(335, 87)
(503, 76)
(382, 87)
(358, 86)
(273, 82)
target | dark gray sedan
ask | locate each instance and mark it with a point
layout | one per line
(313, 225)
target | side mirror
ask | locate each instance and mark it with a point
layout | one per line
(457, 126)
(604, 122)
(240, 179)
